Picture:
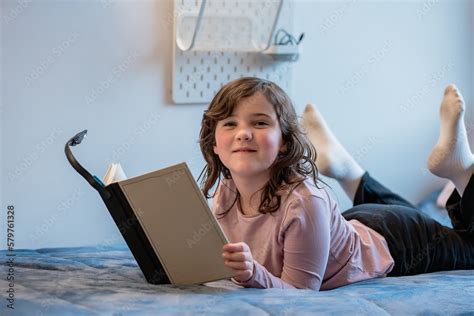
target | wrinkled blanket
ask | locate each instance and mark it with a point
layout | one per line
(107, 281)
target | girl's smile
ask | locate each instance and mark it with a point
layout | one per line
(244, 150)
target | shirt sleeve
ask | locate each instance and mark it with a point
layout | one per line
(305, 250)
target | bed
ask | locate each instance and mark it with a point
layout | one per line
(107, 281)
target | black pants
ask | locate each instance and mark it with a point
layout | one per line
(417, 243)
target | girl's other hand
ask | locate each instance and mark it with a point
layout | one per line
(239, 257)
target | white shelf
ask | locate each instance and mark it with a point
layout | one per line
(201, 68)
(226, 25)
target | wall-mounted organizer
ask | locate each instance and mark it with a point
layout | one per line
(220, 40)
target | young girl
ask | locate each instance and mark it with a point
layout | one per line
(285, 229)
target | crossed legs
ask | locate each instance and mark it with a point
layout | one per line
(417, 243)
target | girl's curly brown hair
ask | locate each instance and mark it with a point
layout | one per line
(291, 167)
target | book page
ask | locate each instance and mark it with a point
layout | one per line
(114, 173)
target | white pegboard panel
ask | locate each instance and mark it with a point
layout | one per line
(225, 24)
(198, 74)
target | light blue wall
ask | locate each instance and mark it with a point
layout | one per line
(106, 66)
(377, 71)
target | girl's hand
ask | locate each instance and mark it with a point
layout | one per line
(238, 257)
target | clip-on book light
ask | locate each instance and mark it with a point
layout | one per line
(134, 235)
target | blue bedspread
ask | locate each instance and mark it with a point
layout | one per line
(107, 281)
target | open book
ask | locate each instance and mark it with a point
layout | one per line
(168, 213)
(167, 222)
(164, 219)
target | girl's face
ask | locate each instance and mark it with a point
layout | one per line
(248, 141)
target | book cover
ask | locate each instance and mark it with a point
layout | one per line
(176, 221)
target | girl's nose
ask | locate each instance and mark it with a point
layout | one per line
(244, 134)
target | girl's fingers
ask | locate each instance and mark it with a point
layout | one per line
(236, 247)
(239, 265)
(234, 256)
(237, 256)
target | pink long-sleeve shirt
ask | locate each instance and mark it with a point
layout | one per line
(306, 243)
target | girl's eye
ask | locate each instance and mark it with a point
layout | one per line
(229, 124)
(261, 124)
